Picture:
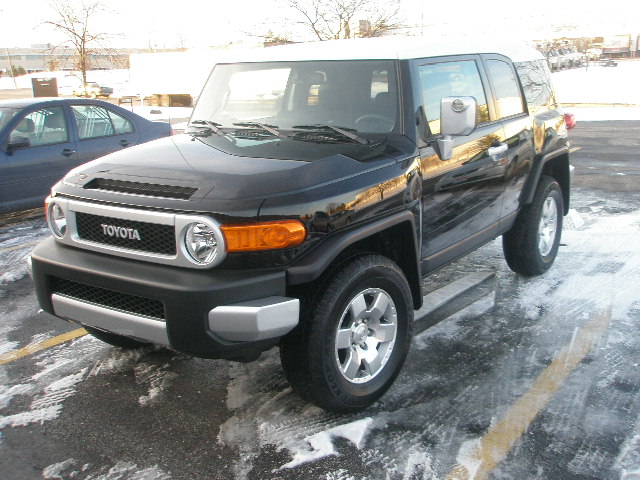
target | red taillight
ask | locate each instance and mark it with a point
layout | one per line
(570, 120)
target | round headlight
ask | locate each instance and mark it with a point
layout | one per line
(203, 243)
(57, 220)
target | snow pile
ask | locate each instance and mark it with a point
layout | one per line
(321, 442)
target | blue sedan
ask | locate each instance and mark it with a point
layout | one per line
(42, 139)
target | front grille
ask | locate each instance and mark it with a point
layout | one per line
(124, 302)
(139, 188)
(142, 236)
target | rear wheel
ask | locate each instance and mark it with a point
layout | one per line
(353, 337)
(115, 339)
(531, 246)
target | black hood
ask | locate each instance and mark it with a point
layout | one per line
(186, 161)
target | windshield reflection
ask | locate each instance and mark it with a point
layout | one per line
(355, 95)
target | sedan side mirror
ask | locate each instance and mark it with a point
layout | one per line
(457, 118)
(17, 143)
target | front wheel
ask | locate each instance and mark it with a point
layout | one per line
(353, 337)
(531, 245)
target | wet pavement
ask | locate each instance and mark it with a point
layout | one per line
(536, 378)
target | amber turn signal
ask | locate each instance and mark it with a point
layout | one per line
(253, 237)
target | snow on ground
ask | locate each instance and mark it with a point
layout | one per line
(598, 84)
(67, 79)
(62, 368)
(70, 468)
(16, 243)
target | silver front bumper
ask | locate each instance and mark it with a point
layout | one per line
(114, 321)
(254, 320)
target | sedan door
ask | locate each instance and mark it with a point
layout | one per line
(102, 131)
(37, 153)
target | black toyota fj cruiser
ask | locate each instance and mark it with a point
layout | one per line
(315, 186)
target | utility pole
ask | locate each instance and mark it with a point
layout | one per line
(15, 84)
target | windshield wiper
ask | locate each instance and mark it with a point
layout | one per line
(269, 128)
(344, 131)
(208, 125)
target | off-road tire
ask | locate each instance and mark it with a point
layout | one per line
(310, 354)
(522, 243)
(115, 339)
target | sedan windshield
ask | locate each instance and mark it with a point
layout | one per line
(352, 95)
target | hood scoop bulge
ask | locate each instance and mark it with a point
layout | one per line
(139, 188)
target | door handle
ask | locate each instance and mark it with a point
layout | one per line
(125, 143)
(67, 152)
(497, 150)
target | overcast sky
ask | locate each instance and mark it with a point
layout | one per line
(144, 23)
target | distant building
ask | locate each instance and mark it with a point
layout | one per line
(43, 57)
(619, 46)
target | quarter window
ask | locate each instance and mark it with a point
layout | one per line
(447, 79)
(120, 124)
(536, 83)
(506, 88)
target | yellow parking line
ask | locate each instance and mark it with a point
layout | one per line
(37, 346)
(18, 247)
(497, 442)
(574, 149)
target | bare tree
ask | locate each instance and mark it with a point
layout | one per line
(75, 23)
(272, 39)
(333, 19)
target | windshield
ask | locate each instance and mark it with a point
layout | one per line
(6, 114)
(358, 95)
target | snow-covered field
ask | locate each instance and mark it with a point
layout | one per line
(615, 89)
(600, 85)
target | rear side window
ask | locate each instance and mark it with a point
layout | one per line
(536, 83)
(93, 121)
(445, 79)
(506, 88)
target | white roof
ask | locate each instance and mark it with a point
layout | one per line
(382, 48)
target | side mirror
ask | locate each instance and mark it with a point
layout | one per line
(457, 118)
(16, 143)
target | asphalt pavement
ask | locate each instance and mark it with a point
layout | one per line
(527, 378)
